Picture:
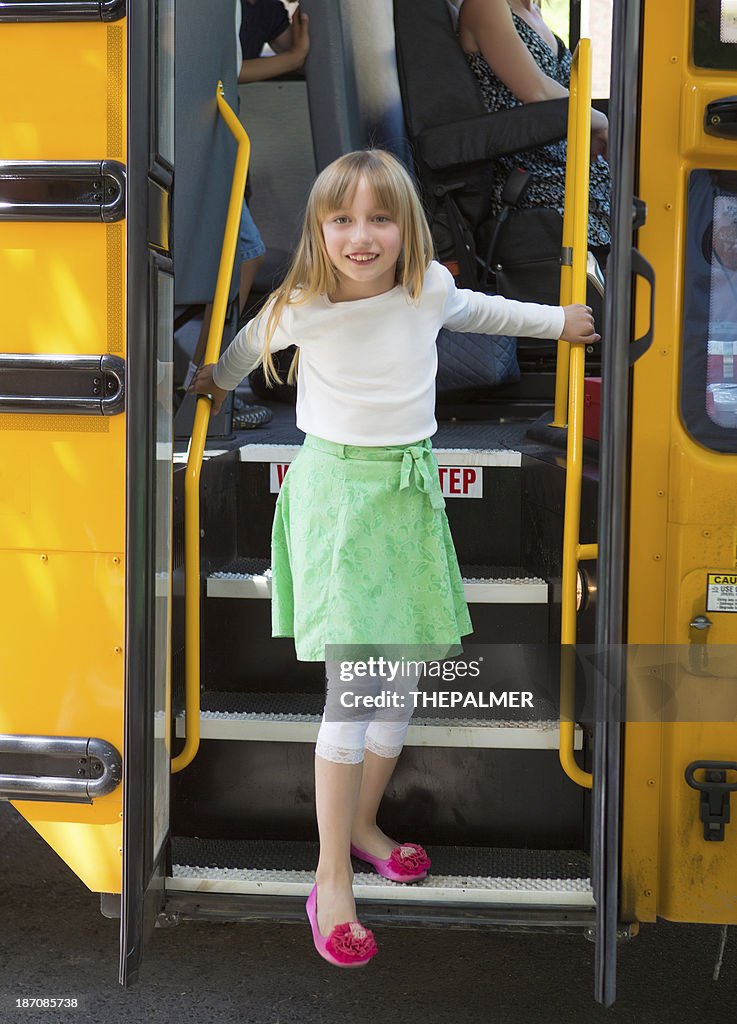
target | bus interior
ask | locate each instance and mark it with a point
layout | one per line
(487, 793)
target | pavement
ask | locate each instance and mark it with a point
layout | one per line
(54, 942)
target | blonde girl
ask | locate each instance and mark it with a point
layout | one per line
(361, 551)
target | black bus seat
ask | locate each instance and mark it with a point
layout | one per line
(454, 140)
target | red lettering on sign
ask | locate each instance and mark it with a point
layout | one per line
(469, 477)
(455, 481)
(281, 471)
(442, 470)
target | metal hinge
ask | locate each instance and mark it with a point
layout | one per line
(62, 190)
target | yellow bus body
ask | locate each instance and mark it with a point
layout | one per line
(62, 478)
(683, 511)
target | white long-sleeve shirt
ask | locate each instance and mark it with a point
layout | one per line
(367, 367)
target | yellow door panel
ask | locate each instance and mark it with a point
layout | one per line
(640, 810)
(64, 89)
(88, 840)
(61, 488)
(62, 288)
(61, 661)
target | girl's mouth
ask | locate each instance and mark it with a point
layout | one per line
(362, 257)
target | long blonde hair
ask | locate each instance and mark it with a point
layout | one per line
(311, 272)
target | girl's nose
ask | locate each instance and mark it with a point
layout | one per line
(360, 232)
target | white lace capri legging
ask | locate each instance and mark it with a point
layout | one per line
(343, 738)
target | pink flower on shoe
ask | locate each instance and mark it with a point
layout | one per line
(351, 941)
(409, 858)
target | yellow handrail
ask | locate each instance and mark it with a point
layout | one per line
(571, 358)
(197, 446)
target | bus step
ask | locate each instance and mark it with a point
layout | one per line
(295, 718)
(460, 876)
(251, 578)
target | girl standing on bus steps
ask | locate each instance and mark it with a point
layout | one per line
(361, 549)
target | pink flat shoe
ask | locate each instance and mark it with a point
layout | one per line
(406, 863)
(348, 945)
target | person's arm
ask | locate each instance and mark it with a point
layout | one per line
(288, 58)
(282, 42)
(487, 27)
(467, 310)
(246, 350)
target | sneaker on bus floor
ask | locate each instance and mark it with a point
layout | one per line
(251, 416)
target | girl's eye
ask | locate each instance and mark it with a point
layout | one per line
(382, 218)
(341, 219)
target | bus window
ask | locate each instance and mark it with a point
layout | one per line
(596, 24)
(709, 381)
(164, 48)
(714, 34)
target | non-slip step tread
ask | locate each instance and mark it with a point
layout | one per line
(249, 568)
(301, 707)
(482, 584)
(468, 455)
(295, 718)
(480, 861)
(482, 876)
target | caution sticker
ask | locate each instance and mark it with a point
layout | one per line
(721, 592)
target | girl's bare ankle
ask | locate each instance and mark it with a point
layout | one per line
(334, 877)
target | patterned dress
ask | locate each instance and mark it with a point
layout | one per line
(547, 164)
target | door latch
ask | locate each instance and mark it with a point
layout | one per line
(720, 118)
(714, 799)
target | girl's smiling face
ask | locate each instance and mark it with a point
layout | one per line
(364, 243)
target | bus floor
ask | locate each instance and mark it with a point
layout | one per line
(507, 432)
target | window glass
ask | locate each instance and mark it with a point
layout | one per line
(709, 380)
(163, 323)
(557, 17)
(715, 34)
(164, 80)
(596, 23)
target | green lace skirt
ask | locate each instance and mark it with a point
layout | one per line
(362, 553)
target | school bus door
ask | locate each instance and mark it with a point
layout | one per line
(85, 425)
(150, 308)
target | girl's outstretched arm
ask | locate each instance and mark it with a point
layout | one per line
(246, 350)
(468, 310)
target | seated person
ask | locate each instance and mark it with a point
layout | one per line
(517, 59)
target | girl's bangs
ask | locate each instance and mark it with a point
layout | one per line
(341, 183)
